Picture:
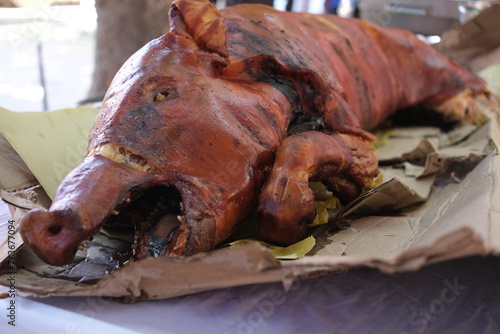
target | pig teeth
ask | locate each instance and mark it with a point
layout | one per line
(81, 246)
(115, 212)
(122, 155)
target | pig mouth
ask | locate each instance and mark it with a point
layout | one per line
(152, 211)
(152, 215)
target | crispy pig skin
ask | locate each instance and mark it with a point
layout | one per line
(238, 110)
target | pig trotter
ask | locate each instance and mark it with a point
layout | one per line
(286, 204)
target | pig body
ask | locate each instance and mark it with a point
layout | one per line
(236, 110)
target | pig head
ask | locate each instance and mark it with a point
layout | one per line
(181, 151)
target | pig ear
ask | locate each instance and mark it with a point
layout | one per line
(201, 21)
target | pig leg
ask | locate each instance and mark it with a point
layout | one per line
(472, 107)
(286, 203)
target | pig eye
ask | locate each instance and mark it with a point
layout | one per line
(159, 97)
(165, 94)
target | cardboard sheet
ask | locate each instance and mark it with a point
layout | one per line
(475, 42)
(14, 173)
(50, 143)
(437, 207)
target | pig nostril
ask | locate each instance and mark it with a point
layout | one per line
(55, 229)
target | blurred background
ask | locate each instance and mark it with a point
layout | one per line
(58, 54)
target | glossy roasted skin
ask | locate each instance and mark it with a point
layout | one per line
(236, 110)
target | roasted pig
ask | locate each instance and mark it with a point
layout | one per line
(234, 111)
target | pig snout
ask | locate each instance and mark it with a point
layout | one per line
(53, 236)
(83, 201)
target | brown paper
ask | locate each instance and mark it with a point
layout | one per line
(416, 217)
